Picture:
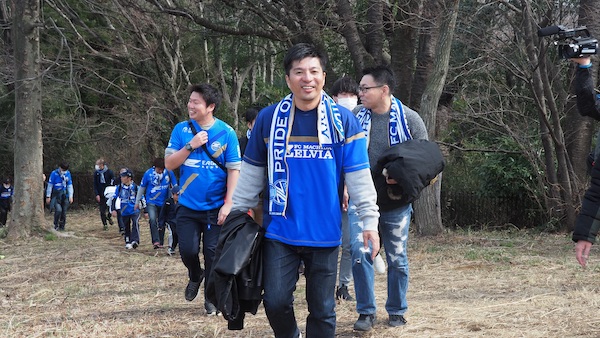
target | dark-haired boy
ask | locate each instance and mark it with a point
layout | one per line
(124, 200)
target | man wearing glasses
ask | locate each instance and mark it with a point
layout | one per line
(386, 122)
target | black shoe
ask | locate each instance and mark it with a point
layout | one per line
(109, 219)
(342, 293)
(191, 290)
(397, 320)
(211, 309)
(365, 322)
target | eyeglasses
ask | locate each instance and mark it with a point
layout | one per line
(364, 89)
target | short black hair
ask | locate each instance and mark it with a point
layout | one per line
(301, 51)
(209, 93)
(159, 162)
(383, 75)
(344, 84)
(251, 113)
(64, 165)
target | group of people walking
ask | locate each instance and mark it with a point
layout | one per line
(304, 174)
(120, 197)
(304, 171)
(308, 159)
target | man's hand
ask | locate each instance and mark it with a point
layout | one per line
(582, 252)
(584, 61)
(224, 212)
(47, 200)
(70, 200)
(199, 139)
(345, 199)
(97, 198)
(373, 237)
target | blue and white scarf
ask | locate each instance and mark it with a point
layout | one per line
(155, 177)
(398, 131)
(329, 129)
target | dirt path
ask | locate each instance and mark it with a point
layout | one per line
(479, 284)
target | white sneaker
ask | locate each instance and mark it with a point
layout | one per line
(378, 264)
(128, 246)
(134, 244)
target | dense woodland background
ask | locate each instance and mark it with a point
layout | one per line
(497, 98)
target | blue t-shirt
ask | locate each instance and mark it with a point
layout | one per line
(127, 194)
(157, 185)
(313, 216)
(58, 181)
(203, 183)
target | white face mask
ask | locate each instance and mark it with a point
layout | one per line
(348, 102)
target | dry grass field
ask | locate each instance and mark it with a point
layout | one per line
(83, 283)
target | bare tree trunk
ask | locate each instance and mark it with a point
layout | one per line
(428, 212)
(28, 212)
(403, 43)
(374, 30)
(349, 31)
(426, 52)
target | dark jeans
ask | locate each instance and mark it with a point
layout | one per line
(60, 204)
(158, 235)
(4, 209)
(104, 214)
(280, 275)
(192, 227)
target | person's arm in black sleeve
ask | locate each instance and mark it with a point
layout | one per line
(588, 103)
(96, 185)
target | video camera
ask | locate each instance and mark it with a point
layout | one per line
(571, 42)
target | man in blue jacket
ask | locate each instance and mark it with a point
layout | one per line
(59, 194)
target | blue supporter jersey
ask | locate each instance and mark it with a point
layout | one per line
(203, 183)
(313, 216)
(58, 181)
(157, 185)
(127, 194)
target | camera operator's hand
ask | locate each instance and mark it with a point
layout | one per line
(582, 252)
(582, 61)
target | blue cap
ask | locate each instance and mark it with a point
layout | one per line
(175, 190)
(126, 173)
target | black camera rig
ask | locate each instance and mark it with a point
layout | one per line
(571, 42)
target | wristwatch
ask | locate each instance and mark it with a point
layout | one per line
(188, 146)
